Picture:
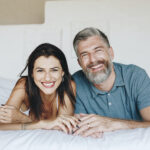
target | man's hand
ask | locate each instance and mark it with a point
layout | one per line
(95, 125)
(10, 114)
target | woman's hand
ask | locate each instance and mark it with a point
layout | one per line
(64, 123)
(10, 114)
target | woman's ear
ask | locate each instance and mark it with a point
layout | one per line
(63, 73)
(63, 76)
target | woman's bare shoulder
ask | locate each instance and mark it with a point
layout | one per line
(73, 86)
(21, 83)
(18, 94)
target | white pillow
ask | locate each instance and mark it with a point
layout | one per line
(6, 86)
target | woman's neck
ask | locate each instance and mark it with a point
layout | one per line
(48, 98)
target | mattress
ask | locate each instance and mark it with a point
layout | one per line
(135, 139)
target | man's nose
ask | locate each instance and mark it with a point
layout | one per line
(92, 57)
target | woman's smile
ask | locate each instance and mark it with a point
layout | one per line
(48, 84)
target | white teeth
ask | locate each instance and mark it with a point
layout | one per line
(48, 84)
(97, 66)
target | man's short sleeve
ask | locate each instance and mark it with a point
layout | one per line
(143, 89)
(79, 107)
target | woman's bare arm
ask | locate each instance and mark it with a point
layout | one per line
(10, 112)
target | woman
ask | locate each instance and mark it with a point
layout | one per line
(47, 91)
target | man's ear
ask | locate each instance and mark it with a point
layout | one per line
(79, 62)
(111, 53)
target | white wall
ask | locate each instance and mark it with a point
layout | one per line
(125, 22)
(17, 42)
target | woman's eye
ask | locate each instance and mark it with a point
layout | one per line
(39, 70)
(54, 70)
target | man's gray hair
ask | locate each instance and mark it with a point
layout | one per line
(85, 34)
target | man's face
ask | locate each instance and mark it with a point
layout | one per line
(95, 58)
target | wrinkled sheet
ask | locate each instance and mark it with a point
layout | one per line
(136, 139)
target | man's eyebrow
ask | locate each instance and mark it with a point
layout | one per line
(84, 52)
(99, 47)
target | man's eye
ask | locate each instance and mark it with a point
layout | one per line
(84, 55)
(99, 50)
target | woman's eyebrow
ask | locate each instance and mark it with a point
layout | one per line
(55, 68)
(49, 68)
(39, 68)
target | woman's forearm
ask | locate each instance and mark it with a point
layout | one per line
(9, 126)
(20, 126)
(23, 118)
(10, 114)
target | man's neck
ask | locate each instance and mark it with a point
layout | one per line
(107, 84)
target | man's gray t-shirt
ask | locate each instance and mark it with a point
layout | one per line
(130, 94)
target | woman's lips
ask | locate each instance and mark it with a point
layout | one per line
(48, 84)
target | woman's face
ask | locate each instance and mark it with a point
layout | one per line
(47, 74)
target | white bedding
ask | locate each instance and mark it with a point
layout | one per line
(6, 86)
(137, 139)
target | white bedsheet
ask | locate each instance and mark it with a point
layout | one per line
(6, 86)
(136, 139)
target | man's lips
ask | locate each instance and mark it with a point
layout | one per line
(96, 67)
(48, 84)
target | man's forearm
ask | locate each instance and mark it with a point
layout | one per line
(118, 124)
(90, 124)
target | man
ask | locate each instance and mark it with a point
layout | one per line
(110, 96)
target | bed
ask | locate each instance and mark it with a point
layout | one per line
(136, 139)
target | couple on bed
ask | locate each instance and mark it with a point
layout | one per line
(102, 97)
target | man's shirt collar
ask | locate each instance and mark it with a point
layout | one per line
(118, 82)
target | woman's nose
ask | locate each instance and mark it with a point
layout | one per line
(47, 76)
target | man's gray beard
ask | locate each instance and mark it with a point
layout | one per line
(100, 76)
